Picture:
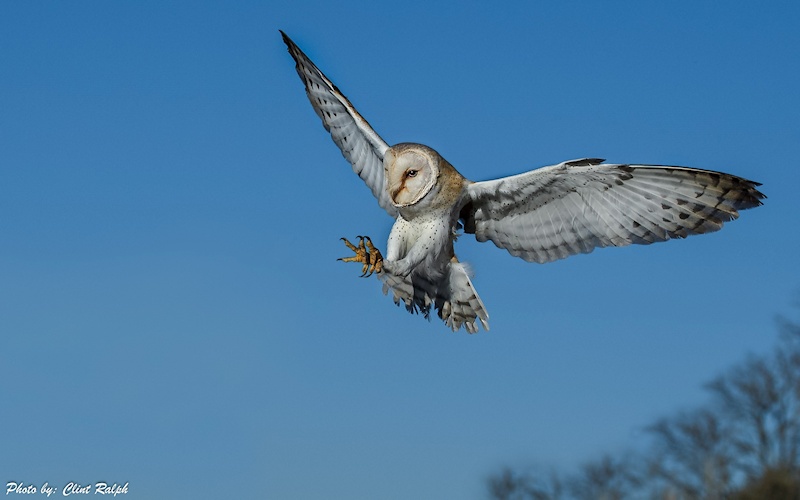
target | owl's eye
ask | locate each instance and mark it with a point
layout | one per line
(411, 173)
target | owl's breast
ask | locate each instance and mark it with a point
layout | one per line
(428, 235)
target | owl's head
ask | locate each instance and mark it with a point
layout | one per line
(411, 172)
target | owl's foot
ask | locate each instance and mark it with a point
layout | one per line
(368, 255)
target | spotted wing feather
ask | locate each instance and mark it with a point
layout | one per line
(359, 143)
(575, 207)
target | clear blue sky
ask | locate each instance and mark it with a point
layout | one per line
(172, 313)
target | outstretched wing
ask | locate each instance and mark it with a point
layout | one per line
(576, 206)
(362, 147)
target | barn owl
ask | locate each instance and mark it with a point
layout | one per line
(543, 215)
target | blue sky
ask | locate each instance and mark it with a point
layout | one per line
(172, 314)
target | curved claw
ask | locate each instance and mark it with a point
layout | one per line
(367, 255)
(375, 257)
(351, 247)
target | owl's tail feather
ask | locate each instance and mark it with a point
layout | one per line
(454, 297)
(464, 305)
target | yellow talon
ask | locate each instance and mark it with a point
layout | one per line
(368, 255)
(375, 257)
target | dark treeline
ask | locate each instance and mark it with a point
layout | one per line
(743, 444)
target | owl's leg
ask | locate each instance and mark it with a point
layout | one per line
(375, 257)
(368, 255)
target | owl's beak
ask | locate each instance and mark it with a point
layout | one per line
(395, 189)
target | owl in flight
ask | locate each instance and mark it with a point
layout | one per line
(541, 216)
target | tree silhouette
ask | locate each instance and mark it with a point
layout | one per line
(691, 456)
(510, 485)
(609, 478)
(743, 445)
